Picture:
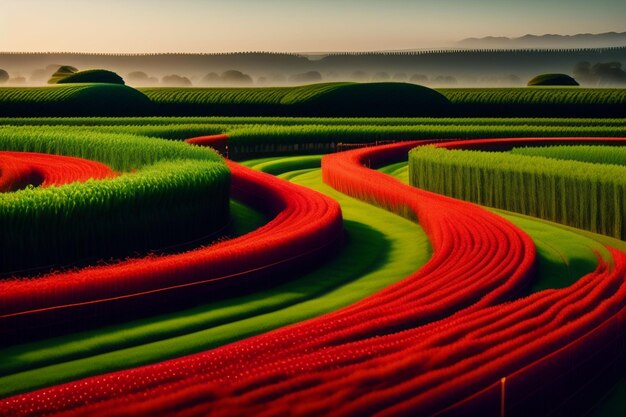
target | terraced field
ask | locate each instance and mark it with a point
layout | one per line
(262, 286)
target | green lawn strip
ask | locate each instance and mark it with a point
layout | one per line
(382, 249)
(285, 165)
(564, 253)
(244, 219)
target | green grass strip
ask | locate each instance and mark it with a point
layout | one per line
(382, 249)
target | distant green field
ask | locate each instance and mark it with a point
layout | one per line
(316, 100)
(535, 95)
(538, 101)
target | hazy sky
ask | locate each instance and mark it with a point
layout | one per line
(288, 25)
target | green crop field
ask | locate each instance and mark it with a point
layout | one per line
(342, 209)
(168, 193)
(580, 194)
(326, 99)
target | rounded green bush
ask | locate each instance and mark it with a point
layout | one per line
(553, 79)
(92, 76)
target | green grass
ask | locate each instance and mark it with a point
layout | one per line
(382, 248)
(584, 195)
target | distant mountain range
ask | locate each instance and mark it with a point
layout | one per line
(582, 40)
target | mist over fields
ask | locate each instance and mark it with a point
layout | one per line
(437, 68)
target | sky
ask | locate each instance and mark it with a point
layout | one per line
(208, 26)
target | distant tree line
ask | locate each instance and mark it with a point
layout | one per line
(601, 73)
(365, 53)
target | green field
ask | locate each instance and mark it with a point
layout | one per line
(380, 248)
(327, 99)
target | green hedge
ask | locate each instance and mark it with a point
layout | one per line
(584, 195)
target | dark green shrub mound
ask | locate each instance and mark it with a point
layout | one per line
(92, 76)
(374, 99)
(4, 76)
(74, 100)
(553, 79)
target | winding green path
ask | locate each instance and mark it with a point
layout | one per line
(382, 248)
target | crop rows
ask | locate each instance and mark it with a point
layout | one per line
(467, 330)
(267, 139)
(439, 340)
(535, 95)
(175, 194)
(394, 246)
(238, 96)
(340, 99)
(584, 195)
(291, 237)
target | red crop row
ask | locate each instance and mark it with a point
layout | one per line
(304, 225)
(217, 142)
(18, 169)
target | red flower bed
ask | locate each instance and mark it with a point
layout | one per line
(19, 169)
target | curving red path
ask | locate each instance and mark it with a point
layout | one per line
(304, 225)
(447, 339)
(18, 169)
